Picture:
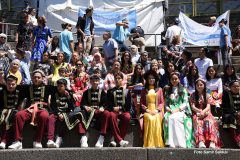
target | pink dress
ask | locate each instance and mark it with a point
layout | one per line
(205, 129)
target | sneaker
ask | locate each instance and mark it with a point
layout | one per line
(83, 141)
(201, 145)
(113, 144)
(37, 145)
(212, 145)
(2, 145)
(238, 144)
(123, 143)
(16, 145)
(51, 144)
(100, 141)
(58, 142)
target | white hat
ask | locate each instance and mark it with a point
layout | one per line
(3, 35)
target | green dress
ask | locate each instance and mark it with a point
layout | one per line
(174, 103)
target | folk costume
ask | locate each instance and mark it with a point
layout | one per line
(95, 99)
(9, 106)
(231, 109)
(61, 104)
(35, 95)
(117, 97)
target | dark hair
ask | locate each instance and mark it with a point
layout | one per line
(118, 74)
(167, 65)
(180, 87)
(187, 54)
(54, 46)
(233, 76)
(196, 94)
(206, 50)
(155, 75)
(62, 81)
(207, 76)
(129, 63)
(190, 77)
(109, 33)
(135, 76)
(232, 82)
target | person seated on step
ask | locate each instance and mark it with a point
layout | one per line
(38, 93)
(93, 106)
(231, 110)
(205, 126)
(9, 105)
(119, 107)
(62, 106)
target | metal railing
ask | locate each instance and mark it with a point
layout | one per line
(9, 29)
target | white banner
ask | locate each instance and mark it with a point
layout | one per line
(199, 34)
(149, 13)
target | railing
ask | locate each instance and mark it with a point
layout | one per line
(9, 29)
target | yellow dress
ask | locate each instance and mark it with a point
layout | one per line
(152, 123)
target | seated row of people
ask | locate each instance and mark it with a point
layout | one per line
(173, 121)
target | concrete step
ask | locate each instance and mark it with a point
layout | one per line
(120, 154)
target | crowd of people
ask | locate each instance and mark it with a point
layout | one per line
(178, 102)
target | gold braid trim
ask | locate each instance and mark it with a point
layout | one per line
(86, 123)
(68, 123)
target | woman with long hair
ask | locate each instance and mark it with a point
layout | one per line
(153, 110)
(229, 75)
(177, 125)
(205, 126)
(80, 81)
(165, 79)
(215, 89)
(191, 77)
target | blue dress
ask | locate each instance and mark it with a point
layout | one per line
(40, 45)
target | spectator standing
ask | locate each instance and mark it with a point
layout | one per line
(32, 16)
(66, 42)
(24, 34)
(110, 49)
(225, 42)
(137, 38)
(42, 38)
(172, 31)
(85, 29)
(121, 33)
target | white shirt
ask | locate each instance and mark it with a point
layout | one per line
(190, 89)
(202, 65)
(215, 84)
(173, 31)
(135, 58)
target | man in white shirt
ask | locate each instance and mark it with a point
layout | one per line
(172, 31)
(203, 63)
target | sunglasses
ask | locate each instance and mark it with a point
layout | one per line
(79, 65)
